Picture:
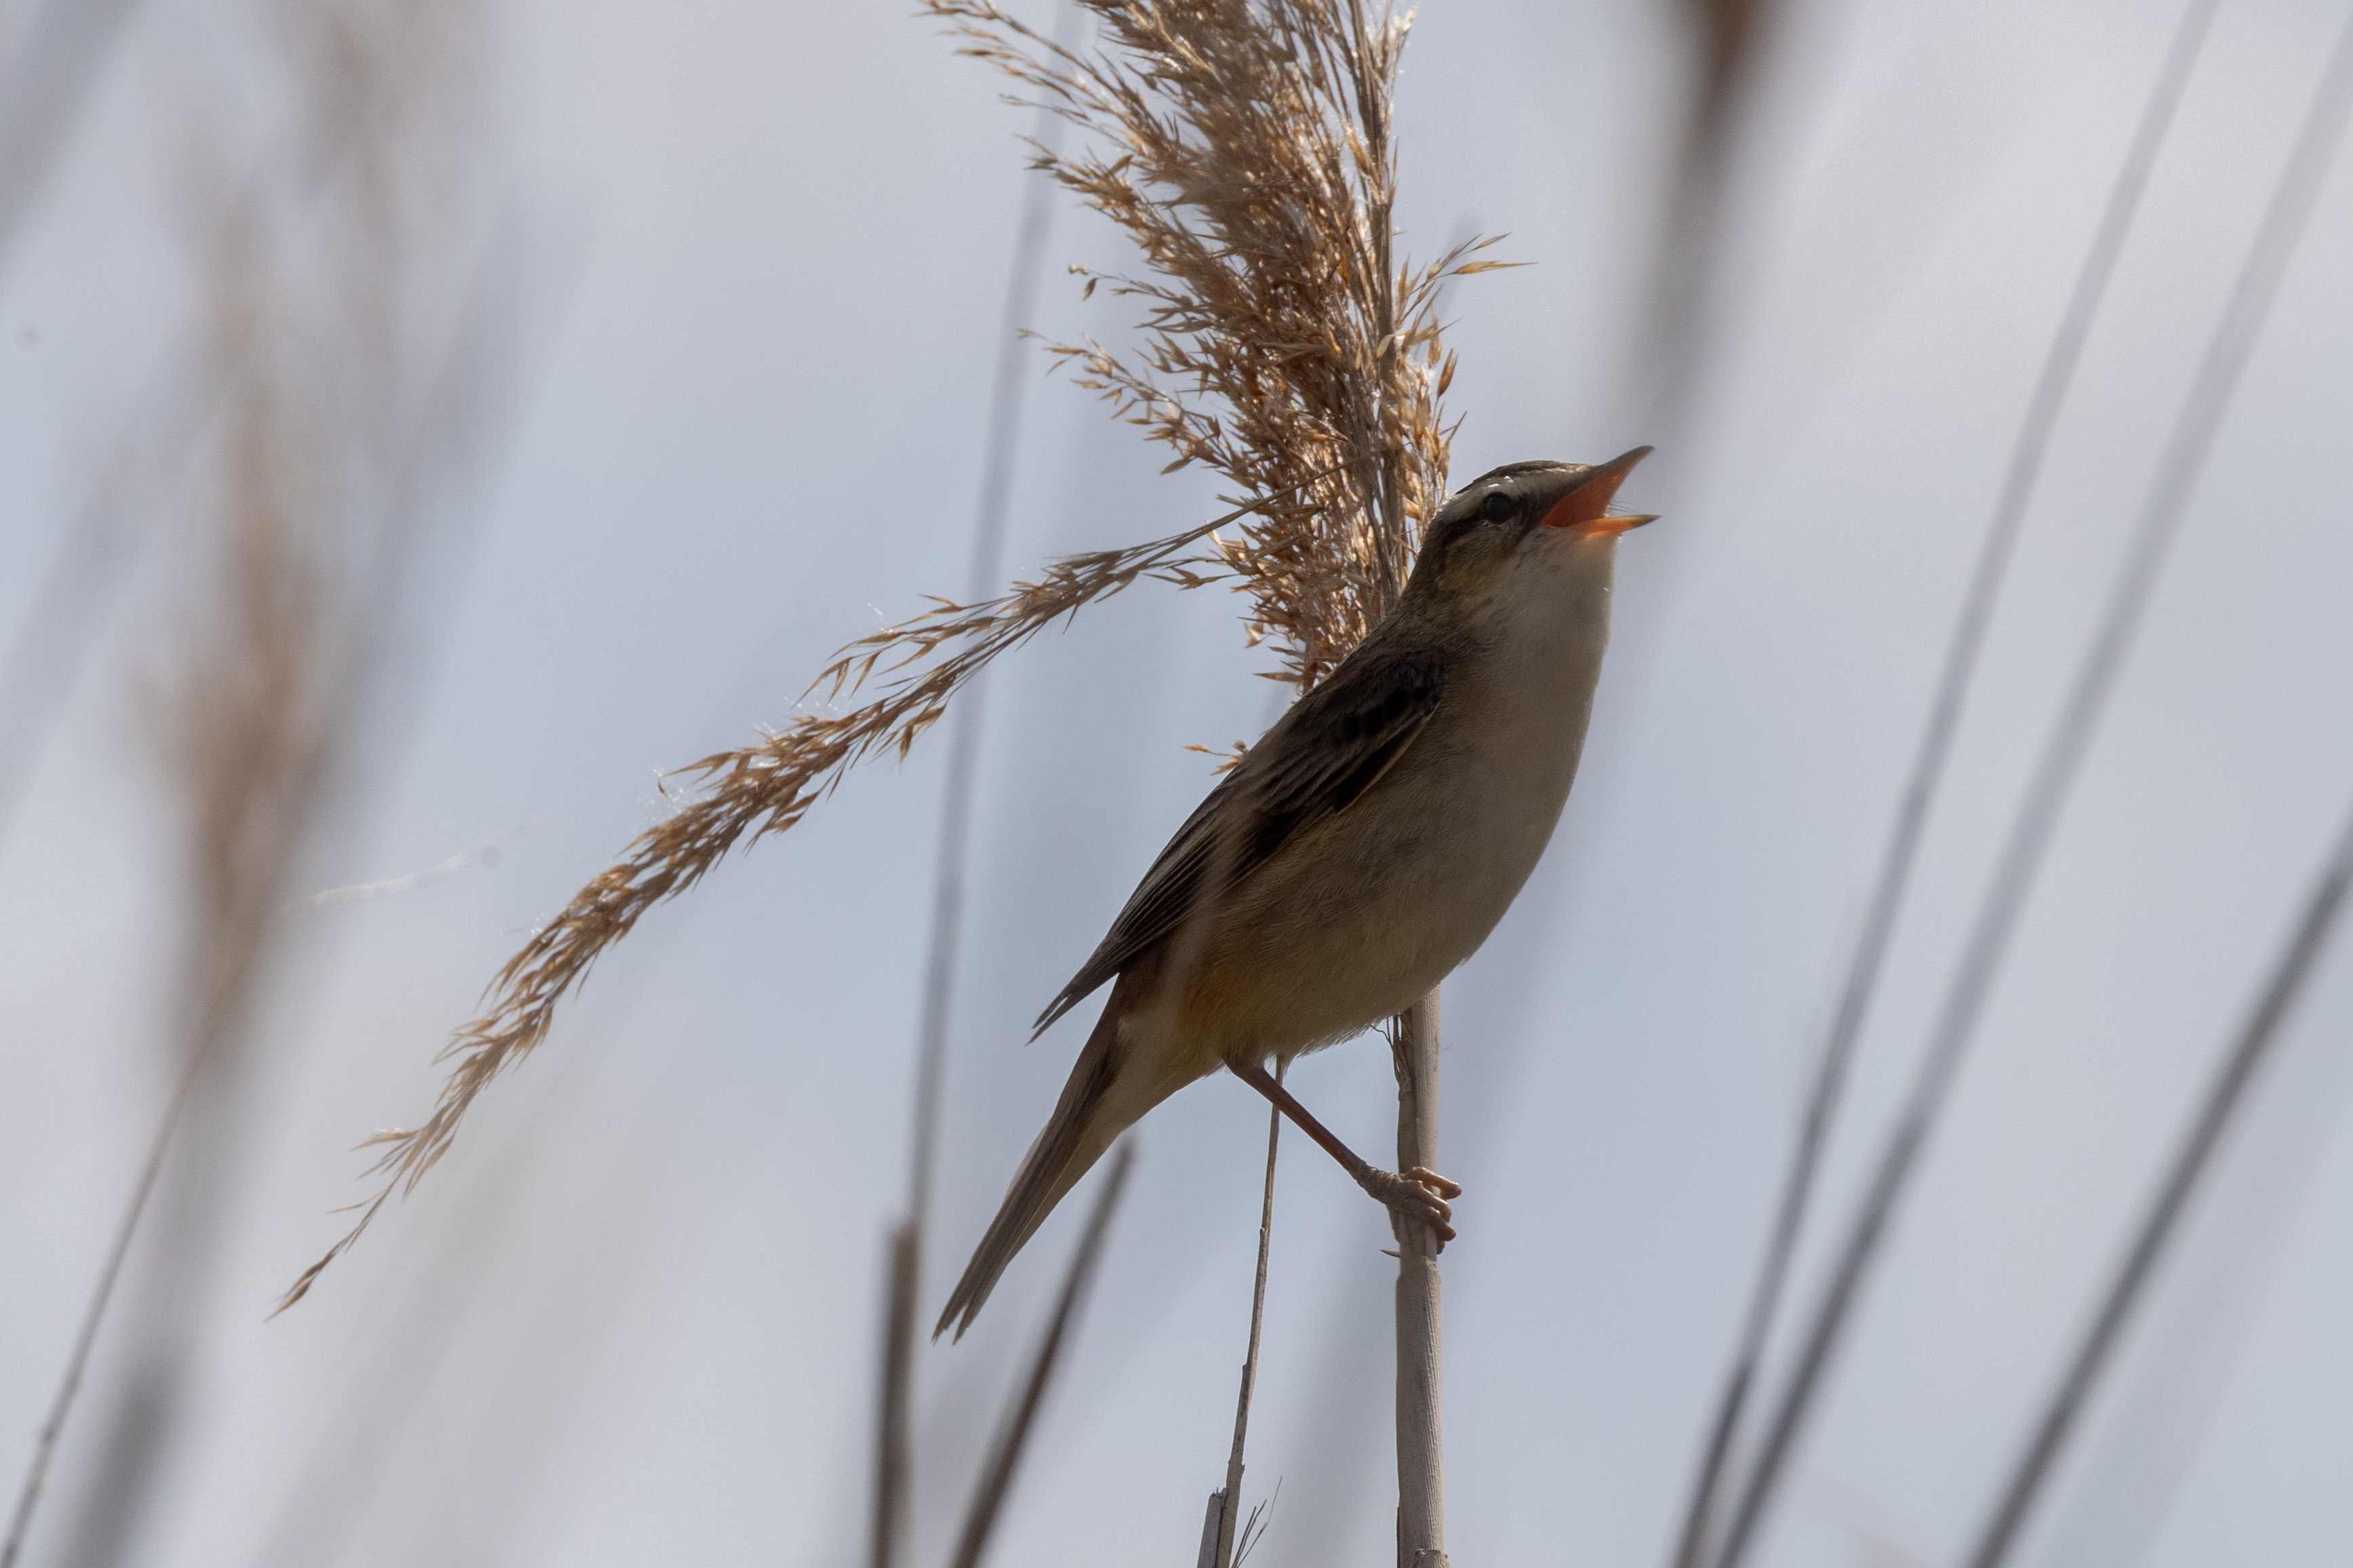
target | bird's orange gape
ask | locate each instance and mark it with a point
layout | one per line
(1586, 508)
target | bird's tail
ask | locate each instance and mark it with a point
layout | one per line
(1099, 1102)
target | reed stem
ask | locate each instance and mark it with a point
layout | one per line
(1420, 1426)
(1229, 1501)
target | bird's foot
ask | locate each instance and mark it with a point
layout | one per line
(1417, 1197)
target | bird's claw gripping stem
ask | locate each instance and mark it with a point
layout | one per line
(1417, 1197)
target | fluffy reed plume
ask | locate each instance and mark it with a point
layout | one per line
(1244, 148)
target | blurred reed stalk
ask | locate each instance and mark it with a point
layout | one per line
(1963, 650)
(995, 1482)
(249, 720)
(2181, 463)
(51, 62)
(1219, 1549)
(893, 1467)
(2248, 1056)
(332, 365)
(1728, 43)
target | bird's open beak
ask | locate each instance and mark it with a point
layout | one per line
(1585, 509)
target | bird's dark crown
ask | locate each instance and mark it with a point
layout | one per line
(1533, 465)
(1530, 486)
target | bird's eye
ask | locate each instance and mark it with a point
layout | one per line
(1498, 507)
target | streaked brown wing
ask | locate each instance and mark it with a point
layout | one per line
(1323, 754)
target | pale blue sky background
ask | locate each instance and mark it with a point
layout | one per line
(632, 1319)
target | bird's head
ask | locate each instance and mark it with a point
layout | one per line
(1516, 528)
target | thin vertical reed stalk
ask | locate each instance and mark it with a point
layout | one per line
(1961, 656)
(895, 1395)
(995, 1482)
(2237, 1075)
(61, 1404)
(2181, 464)
(1226, 1501)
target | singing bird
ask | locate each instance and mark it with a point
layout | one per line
(1360, 851)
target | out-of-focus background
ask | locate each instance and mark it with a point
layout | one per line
(529, 397)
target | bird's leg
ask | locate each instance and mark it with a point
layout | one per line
(1418, 1194)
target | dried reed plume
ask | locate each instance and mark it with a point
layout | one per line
(1244, 149)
